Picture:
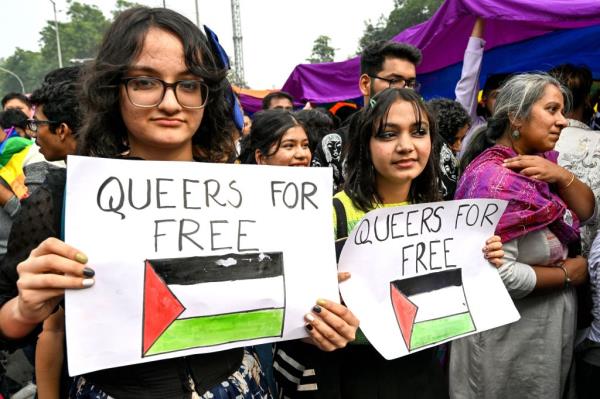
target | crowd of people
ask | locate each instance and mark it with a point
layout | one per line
(156, 91)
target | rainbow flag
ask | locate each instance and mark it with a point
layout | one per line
(13, 151)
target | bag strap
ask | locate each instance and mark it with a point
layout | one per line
(342, 221)
(342, 227)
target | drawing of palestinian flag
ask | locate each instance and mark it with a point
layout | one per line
(187, 305)
(431, 308)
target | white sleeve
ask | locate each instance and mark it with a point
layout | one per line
(519, 278)
(467, 87)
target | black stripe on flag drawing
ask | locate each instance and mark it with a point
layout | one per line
(188, 302)
(431, 308)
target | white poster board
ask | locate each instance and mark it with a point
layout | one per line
(193, 257)
(419, 277)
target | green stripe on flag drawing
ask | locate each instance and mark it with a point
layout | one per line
(182, 309)
(432, 331)
(219, 329)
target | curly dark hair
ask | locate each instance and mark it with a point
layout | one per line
(450, 117)
(59, 97)
(13, 118)
(104, 132)
(268, 128)
(360, 183)
(317, 122)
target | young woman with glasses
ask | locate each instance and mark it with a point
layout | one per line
(154, 92)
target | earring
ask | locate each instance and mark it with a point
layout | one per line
(516, 134)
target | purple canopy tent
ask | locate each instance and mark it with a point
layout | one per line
(443, 40)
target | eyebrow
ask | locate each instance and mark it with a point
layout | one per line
(392, 125)
(149, 69)
(397, 76)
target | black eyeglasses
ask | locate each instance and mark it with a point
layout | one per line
(147, 92)
(33, 124)
(400, 83)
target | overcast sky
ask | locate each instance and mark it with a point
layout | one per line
(277, 34)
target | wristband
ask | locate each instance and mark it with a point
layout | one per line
(564, 269)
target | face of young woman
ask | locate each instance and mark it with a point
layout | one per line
(293, 150)
(402, 150)
(163, 132)
(540, 132)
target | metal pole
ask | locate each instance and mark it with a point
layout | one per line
(16, 76)
(60, 64)
(197, 15)
(164, 4)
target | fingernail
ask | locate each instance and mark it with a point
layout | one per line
(88, 272)
(87, 282)
(309, 317)
(321, 302)
(316, 309)
(308, 327)
(81, 258)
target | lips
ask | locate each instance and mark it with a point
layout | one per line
(168, 122)
(404, 163)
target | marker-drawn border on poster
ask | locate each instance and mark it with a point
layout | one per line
(272, 271)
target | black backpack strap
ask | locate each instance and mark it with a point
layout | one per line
(342, 227)
(342, 221)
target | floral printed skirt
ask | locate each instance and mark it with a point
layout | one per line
(248, 382)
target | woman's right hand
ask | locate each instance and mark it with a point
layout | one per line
(576, 269)
(51, 268)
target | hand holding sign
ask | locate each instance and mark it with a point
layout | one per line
(331, 325)
(419, 277)
(51, 268)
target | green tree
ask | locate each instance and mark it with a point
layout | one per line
(28, 65)
(79, 39)
(321, 51)
(406, 13)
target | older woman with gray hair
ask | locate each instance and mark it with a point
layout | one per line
(513, 159)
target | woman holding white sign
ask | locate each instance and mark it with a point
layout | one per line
(154, 92)
(390, 163)
(512, 159)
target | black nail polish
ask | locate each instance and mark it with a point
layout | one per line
(88, 272)
(308, 327)
(316, 309)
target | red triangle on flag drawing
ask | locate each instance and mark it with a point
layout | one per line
(161, 307)
(405, 311)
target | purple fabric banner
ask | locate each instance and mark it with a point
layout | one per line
(443, 40)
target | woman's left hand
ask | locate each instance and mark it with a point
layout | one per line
(331, 325)
(493, 251)
(539, 168)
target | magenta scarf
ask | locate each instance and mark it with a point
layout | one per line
(532, 205)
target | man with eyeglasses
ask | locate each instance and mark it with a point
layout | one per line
(383, 64)
(54, 127)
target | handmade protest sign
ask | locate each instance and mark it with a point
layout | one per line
(419, 277)
(193, 258)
